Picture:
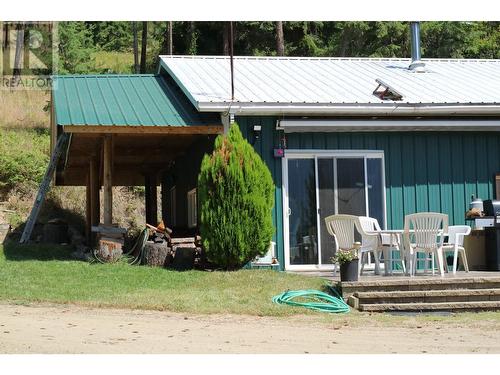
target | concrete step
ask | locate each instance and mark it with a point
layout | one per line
(428, 296)
(423, 284)
(437, 306)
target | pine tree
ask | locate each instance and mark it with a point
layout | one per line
(236, 195)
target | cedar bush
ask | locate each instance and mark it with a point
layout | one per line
(236, 194)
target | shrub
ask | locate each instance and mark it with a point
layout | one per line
(236, 194)
(24, 155)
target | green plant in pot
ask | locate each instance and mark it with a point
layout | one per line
(349, 263)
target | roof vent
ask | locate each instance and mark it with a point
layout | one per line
(416, 65)
(386, 92)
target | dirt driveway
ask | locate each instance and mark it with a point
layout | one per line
(73, 329)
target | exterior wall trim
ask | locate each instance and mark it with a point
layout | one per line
(291, 126)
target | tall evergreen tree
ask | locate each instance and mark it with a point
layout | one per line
(135, 47)
(19, 53)
(144, 45)
(76, 48)
(280, 40)
(236, 194)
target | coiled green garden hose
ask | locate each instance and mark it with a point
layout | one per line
(314, 300)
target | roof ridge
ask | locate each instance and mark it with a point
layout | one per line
(332, 58)
(118, 75)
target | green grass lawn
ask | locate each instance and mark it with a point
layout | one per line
(48, 274)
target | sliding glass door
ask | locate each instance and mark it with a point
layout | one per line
(320, 184)
(302, 212)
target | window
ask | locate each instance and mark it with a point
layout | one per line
(192, 209)
(173, 208)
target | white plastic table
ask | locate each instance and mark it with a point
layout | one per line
(396, 234)
(394, 238)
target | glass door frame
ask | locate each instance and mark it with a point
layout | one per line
(315, 155)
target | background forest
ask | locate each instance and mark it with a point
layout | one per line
(120, 42)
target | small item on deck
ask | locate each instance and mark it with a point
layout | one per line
(473, 213)
(476, 203)
(314, 300)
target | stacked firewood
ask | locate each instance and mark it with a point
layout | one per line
(164, 250)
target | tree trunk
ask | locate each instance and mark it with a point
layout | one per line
(6, 36)
(280, 40)
(167, 39)
(155, 254)
(19, 53)
(136, 48)
(192, 45)
(225, 39)
(144, 44)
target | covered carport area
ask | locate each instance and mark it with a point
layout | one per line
(125, 130)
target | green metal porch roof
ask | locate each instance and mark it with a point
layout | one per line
(124, 100)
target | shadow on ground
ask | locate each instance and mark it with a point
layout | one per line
(37, 250)
(14, 251)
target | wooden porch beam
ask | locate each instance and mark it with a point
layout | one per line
(157, 129)
(108, 180)
(88, 210)
(95, 186)
(151, 198)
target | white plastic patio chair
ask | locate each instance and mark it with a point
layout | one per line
(455, 243)
(423, 233)
(341, 227)
(369, 229)
(370, 224)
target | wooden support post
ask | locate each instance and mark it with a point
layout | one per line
(108, 180)
(151, 199)
(88, 211)
(95, 204)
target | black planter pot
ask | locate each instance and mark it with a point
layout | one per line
(349, 271)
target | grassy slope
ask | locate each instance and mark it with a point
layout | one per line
(24, 109)
(114, 62)
(47, 274)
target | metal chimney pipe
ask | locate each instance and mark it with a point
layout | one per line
(416, 64)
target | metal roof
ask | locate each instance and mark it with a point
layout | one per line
(133, 100)
(323, 84)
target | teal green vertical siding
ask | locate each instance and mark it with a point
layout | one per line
(269, 139)
(424, 171)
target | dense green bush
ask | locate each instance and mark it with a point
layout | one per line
(24, 155)
(236, 194)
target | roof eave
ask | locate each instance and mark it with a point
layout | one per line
(386, 109)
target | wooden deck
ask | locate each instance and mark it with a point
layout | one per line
(398, 276)
(464, 291)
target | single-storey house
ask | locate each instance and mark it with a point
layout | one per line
(365, 136)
